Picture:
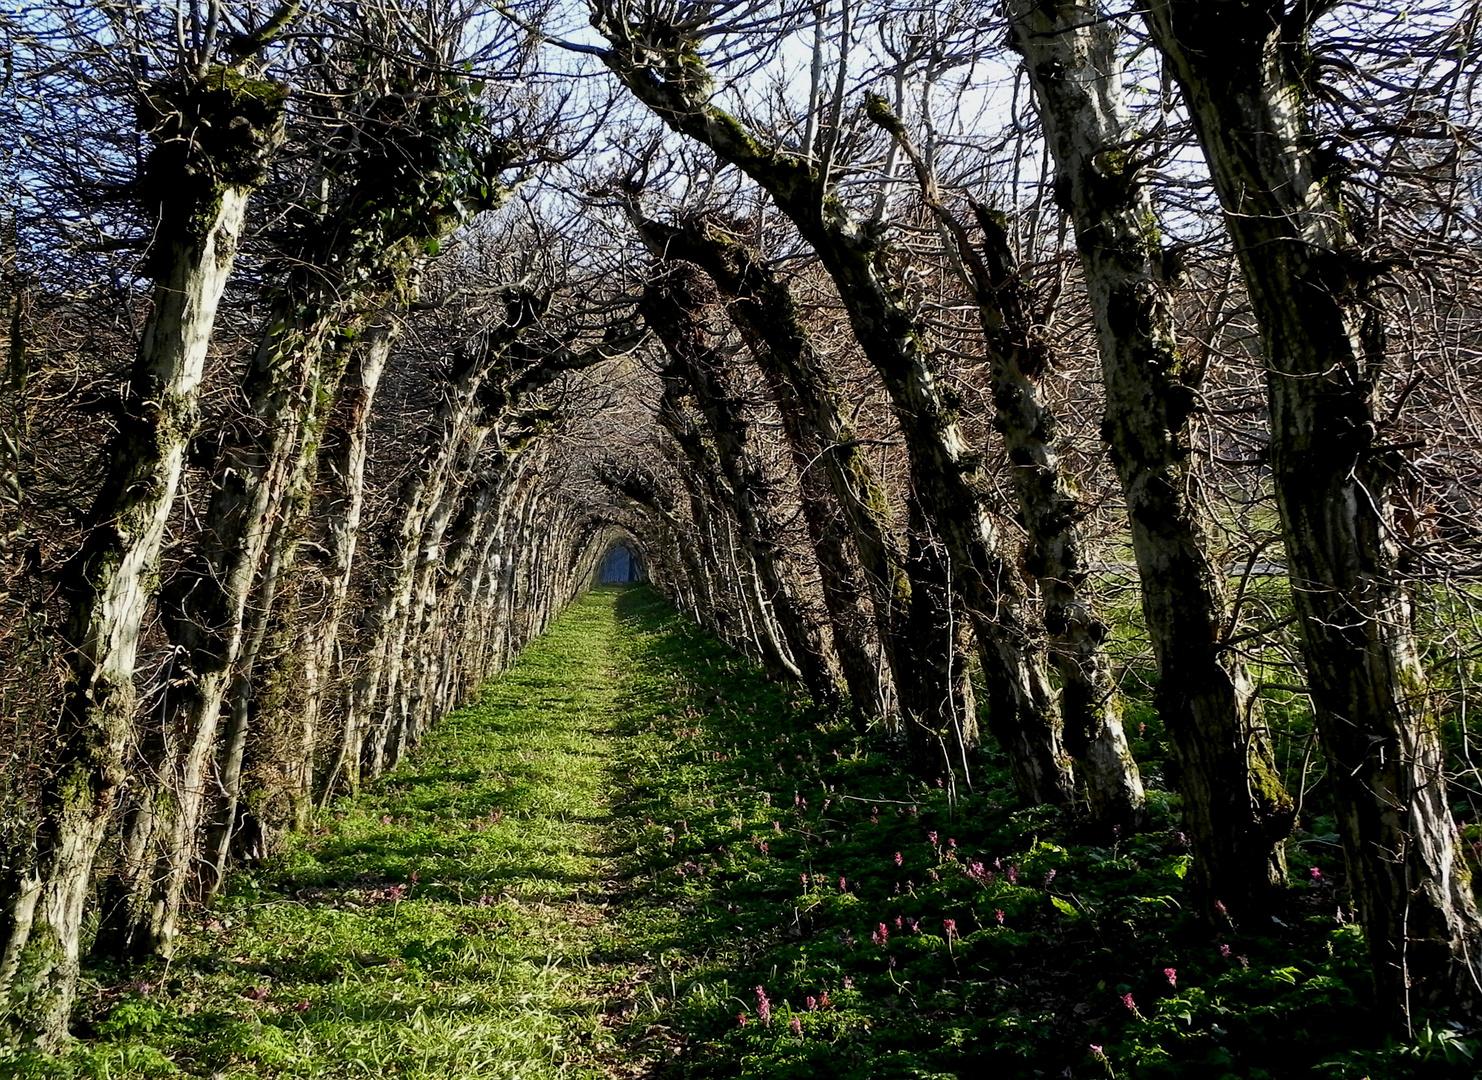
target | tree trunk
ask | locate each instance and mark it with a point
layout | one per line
(340, 501)
(1244, 84)
(214, 136)
(1235, 807)
(939, 710)
(675, 304)
(830, 465)
(1044, 492)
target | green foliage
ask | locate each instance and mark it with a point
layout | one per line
(607, 864)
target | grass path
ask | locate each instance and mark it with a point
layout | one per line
(451, 922)
(636, 857)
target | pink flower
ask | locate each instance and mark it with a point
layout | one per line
(302, 1006)
(952, 843)
(812, 1003)
(848, 985)
(1171, 974)
(740, 1019)
(796, 1026)
(1013, 874)
(763, 1007)
(931, 838)
(881, 935)
(998, 914)
(1225, 951)
(1049, 878)
(1316, 874)
(843, 885)
(1127, 1001)
(1097, 1052)
(1219, 905)
(950, 926)
(824, 1002)
(898, 859)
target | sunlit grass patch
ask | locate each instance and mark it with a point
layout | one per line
(440, 925)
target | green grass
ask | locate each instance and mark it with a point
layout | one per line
(454, 921)
(603, 867)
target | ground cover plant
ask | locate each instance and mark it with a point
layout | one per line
(845, 917)
(1074, 393)
(634, 855)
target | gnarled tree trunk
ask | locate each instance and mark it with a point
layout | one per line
(1241, 72)
(675, 304)
(947, 478)
(1235, 807)
(213, 135)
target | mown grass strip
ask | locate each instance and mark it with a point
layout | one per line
(635, 856)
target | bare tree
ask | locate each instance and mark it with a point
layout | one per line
(1248, 90)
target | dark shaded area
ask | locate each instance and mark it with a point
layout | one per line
(621, 567)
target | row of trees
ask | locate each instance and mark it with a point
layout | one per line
(1287, 126)
(344, 342)
(271, 514)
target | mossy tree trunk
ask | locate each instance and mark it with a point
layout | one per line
(1235, 808)
(860, 573)
(1242, 73)
(339, 501)
(394, 203)
(370, 695)
(1045, 495)
(213, 138)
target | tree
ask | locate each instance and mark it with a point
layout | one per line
(215, 125)
(655, 57)
(1247, 82)
(1235, 807)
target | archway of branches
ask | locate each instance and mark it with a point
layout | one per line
(991, 393)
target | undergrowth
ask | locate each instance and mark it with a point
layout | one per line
(636, 856)
(830, 914)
